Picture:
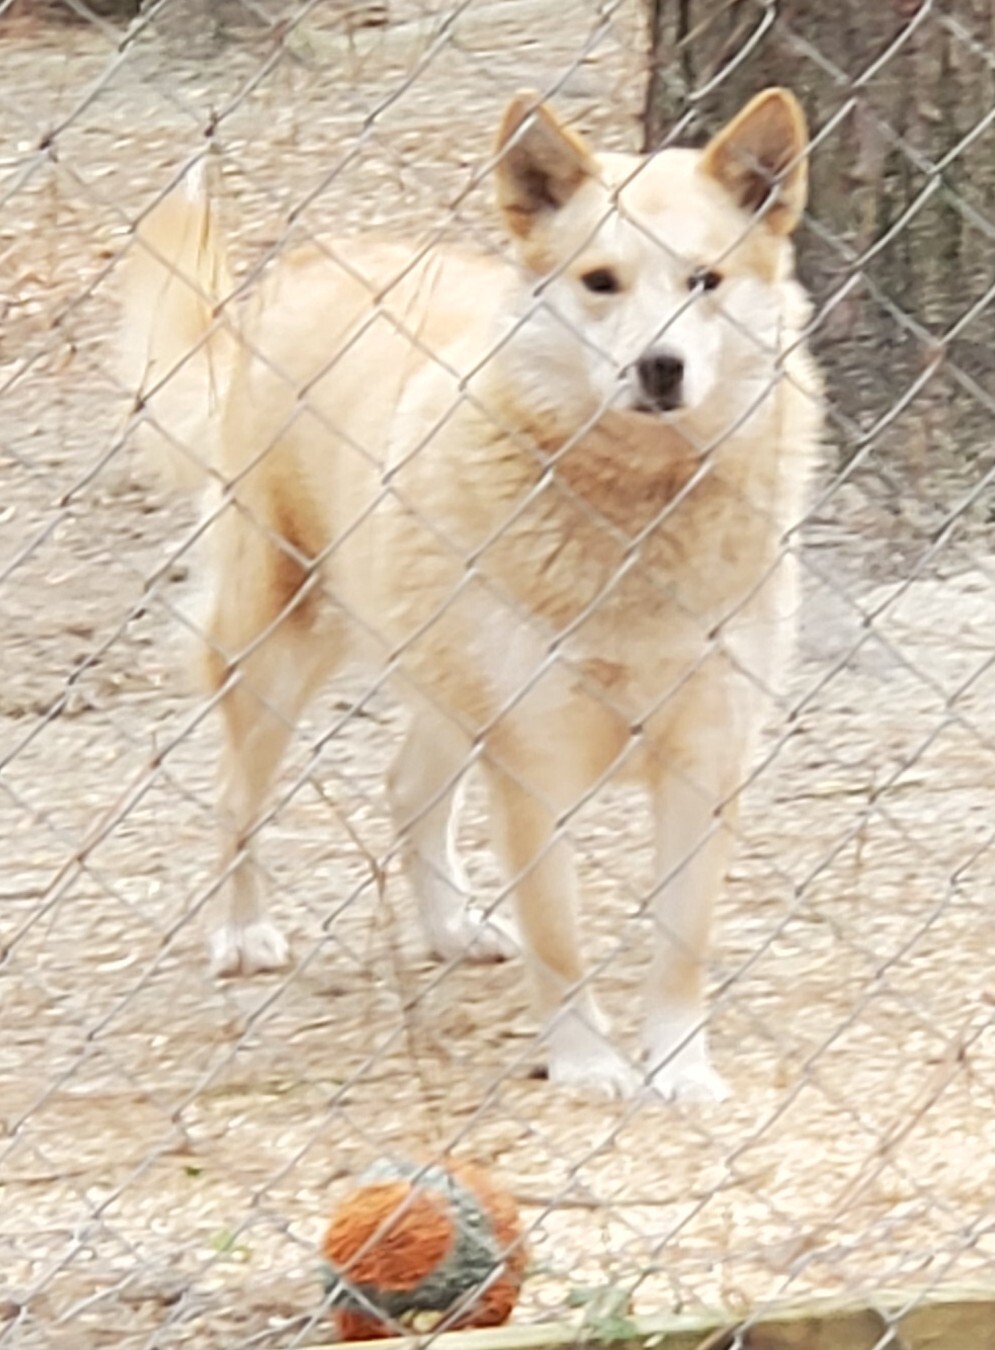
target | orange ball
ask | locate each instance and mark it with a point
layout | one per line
(412, 1247)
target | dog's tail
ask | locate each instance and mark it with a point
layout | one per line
(178, 346)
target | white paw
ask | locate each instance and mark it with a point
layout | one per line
(696, 1082)
(580, 1057)
(678, 1066)
(470, 935)
(248, 949)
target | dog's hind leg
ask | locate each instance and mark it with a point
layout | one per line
(425, 787)
(266, 657)
(526, 802)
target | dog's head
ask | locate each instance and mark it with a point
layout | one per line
(653, 285)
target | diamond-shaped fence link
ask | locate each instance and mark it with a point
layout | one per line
(172, 1138)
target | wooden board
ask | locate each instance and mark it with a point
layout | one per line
(954, 1320)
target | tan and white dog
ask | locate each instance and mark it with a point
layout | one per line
(548, 498)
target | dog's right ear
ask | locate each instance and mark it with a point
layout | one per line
(541, 164)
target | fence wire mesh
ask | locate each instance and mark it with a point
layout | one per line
(172, 1142)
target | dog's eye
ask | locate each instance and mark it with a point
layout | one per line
(602, 281)
(705, 279)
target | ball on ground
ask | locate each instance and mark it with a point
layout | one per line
(413, 1246)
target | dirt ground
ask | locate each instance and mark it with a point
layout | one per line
(169, 1146)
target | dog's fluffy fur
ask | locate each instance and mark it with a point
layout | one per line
(549, 498)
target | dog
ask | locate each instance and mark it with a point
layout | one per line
(545, 496)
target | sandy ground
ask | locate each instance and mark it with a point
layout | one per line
(169, 1146)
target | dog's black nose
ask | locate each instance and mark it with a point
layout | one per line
(661, 375)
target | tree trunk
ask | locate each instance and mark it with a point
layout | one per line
(899, 245)
(60, 10)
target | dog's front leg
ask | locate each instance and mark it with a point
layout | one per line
(539, 864)
(693, 844)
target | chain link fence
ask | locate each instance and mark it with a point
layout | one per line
(171, 1143)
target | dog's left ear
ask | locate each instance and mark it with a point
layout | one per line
(541, 163)
(759, 158)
